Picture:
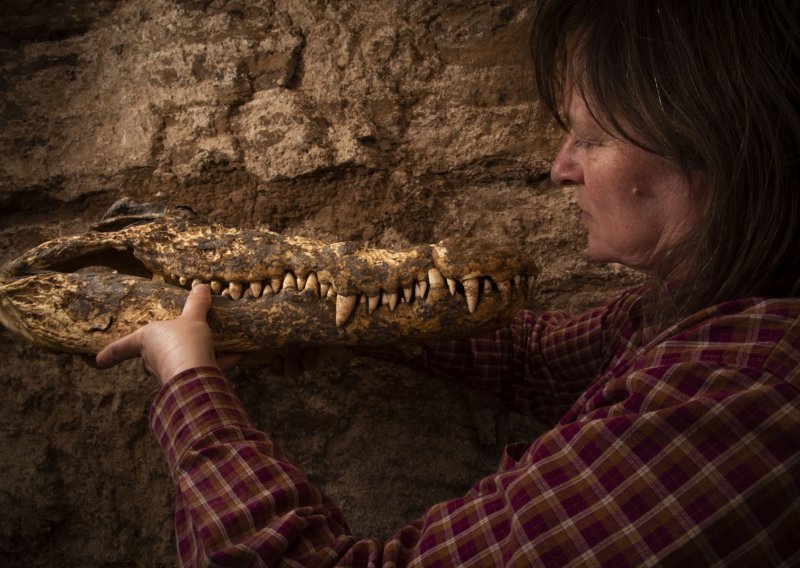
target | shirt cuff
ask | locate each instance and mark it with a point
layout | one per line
(192, 404)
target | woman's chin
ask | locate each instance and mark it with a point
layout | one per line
(600, 253)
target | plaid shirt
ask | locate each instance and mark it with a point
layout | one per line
(675, 449)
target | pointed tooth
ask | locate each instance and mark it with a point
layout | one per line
(289, 281)
(392, 298)
(196, 281)
(267, 291)
(362, 301)
(344, 308)
(505, 291)
(374, 302)
(517, 280)
(530, 281)
(235, 289)
(452, 285)
(422, 289)
(182, 280)
(216, 286)
(487, 286)
(323, 289)
(408, 293)
(471, 288)
(436, 279)
(301, 282)
(256, 288)
(158, 278)
(226, 293)
(275, 284)
(312, 283)
(331, 293)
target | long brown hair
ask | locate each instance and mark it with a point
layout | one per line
(711, 85)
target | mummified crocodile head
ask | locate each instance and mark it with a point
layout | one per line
(79, 293)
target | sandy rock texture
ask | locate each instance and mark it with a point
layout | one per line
(394, 122)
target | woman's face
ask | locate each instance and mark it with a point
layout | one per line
(635, 204)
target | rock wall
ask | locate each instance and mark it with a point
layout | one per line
(393, 122)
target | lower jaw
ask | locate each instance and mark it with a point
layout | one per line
(104, 307)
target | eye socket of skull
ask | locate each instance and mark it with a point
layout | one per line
(127, 212)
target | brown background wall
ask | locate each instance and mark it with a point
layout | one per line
(393, 122)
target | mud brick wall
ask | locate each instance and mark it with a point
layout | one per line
(395, 122)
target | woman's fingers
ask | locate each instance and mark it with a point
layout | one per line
(122, 349)
(159, 336)
(198, 303)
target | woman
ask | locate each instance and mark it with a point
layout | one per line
(677, 402)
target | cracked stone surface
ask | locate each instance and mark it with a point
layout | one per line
(394, 122)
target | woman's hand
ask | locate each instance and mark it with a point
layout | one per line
(171, 347)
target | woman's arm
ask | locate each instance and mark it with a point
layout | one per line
(677, 479)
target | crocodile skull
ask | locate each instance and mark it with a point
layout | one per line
(79, 293)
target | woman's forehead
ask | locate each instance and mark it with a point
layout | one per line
(576, 112)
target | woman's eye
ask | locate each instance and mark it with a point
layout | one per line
(585, 144)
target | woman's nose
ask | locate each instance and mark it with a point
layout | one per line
(565, 169)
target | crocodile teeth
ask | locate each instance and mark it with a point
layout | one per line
(452, 285)
(374, 302)
(471, 288)
(289, 281)
(182, 280)
(301, 282)
(407, 293)
(518, 280)
(255, 289)
(268, 291)
(530, 281)
(436, 279)
(235, 289)
(312, 283)
(487, 286)
(275, 284)
(390, 298)
(505, 291)
(226, 293)
(216, 286)
(158, 278)
(331, 293)
(323, 289)
(422, 289)
(196, 281)
(344, 308)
